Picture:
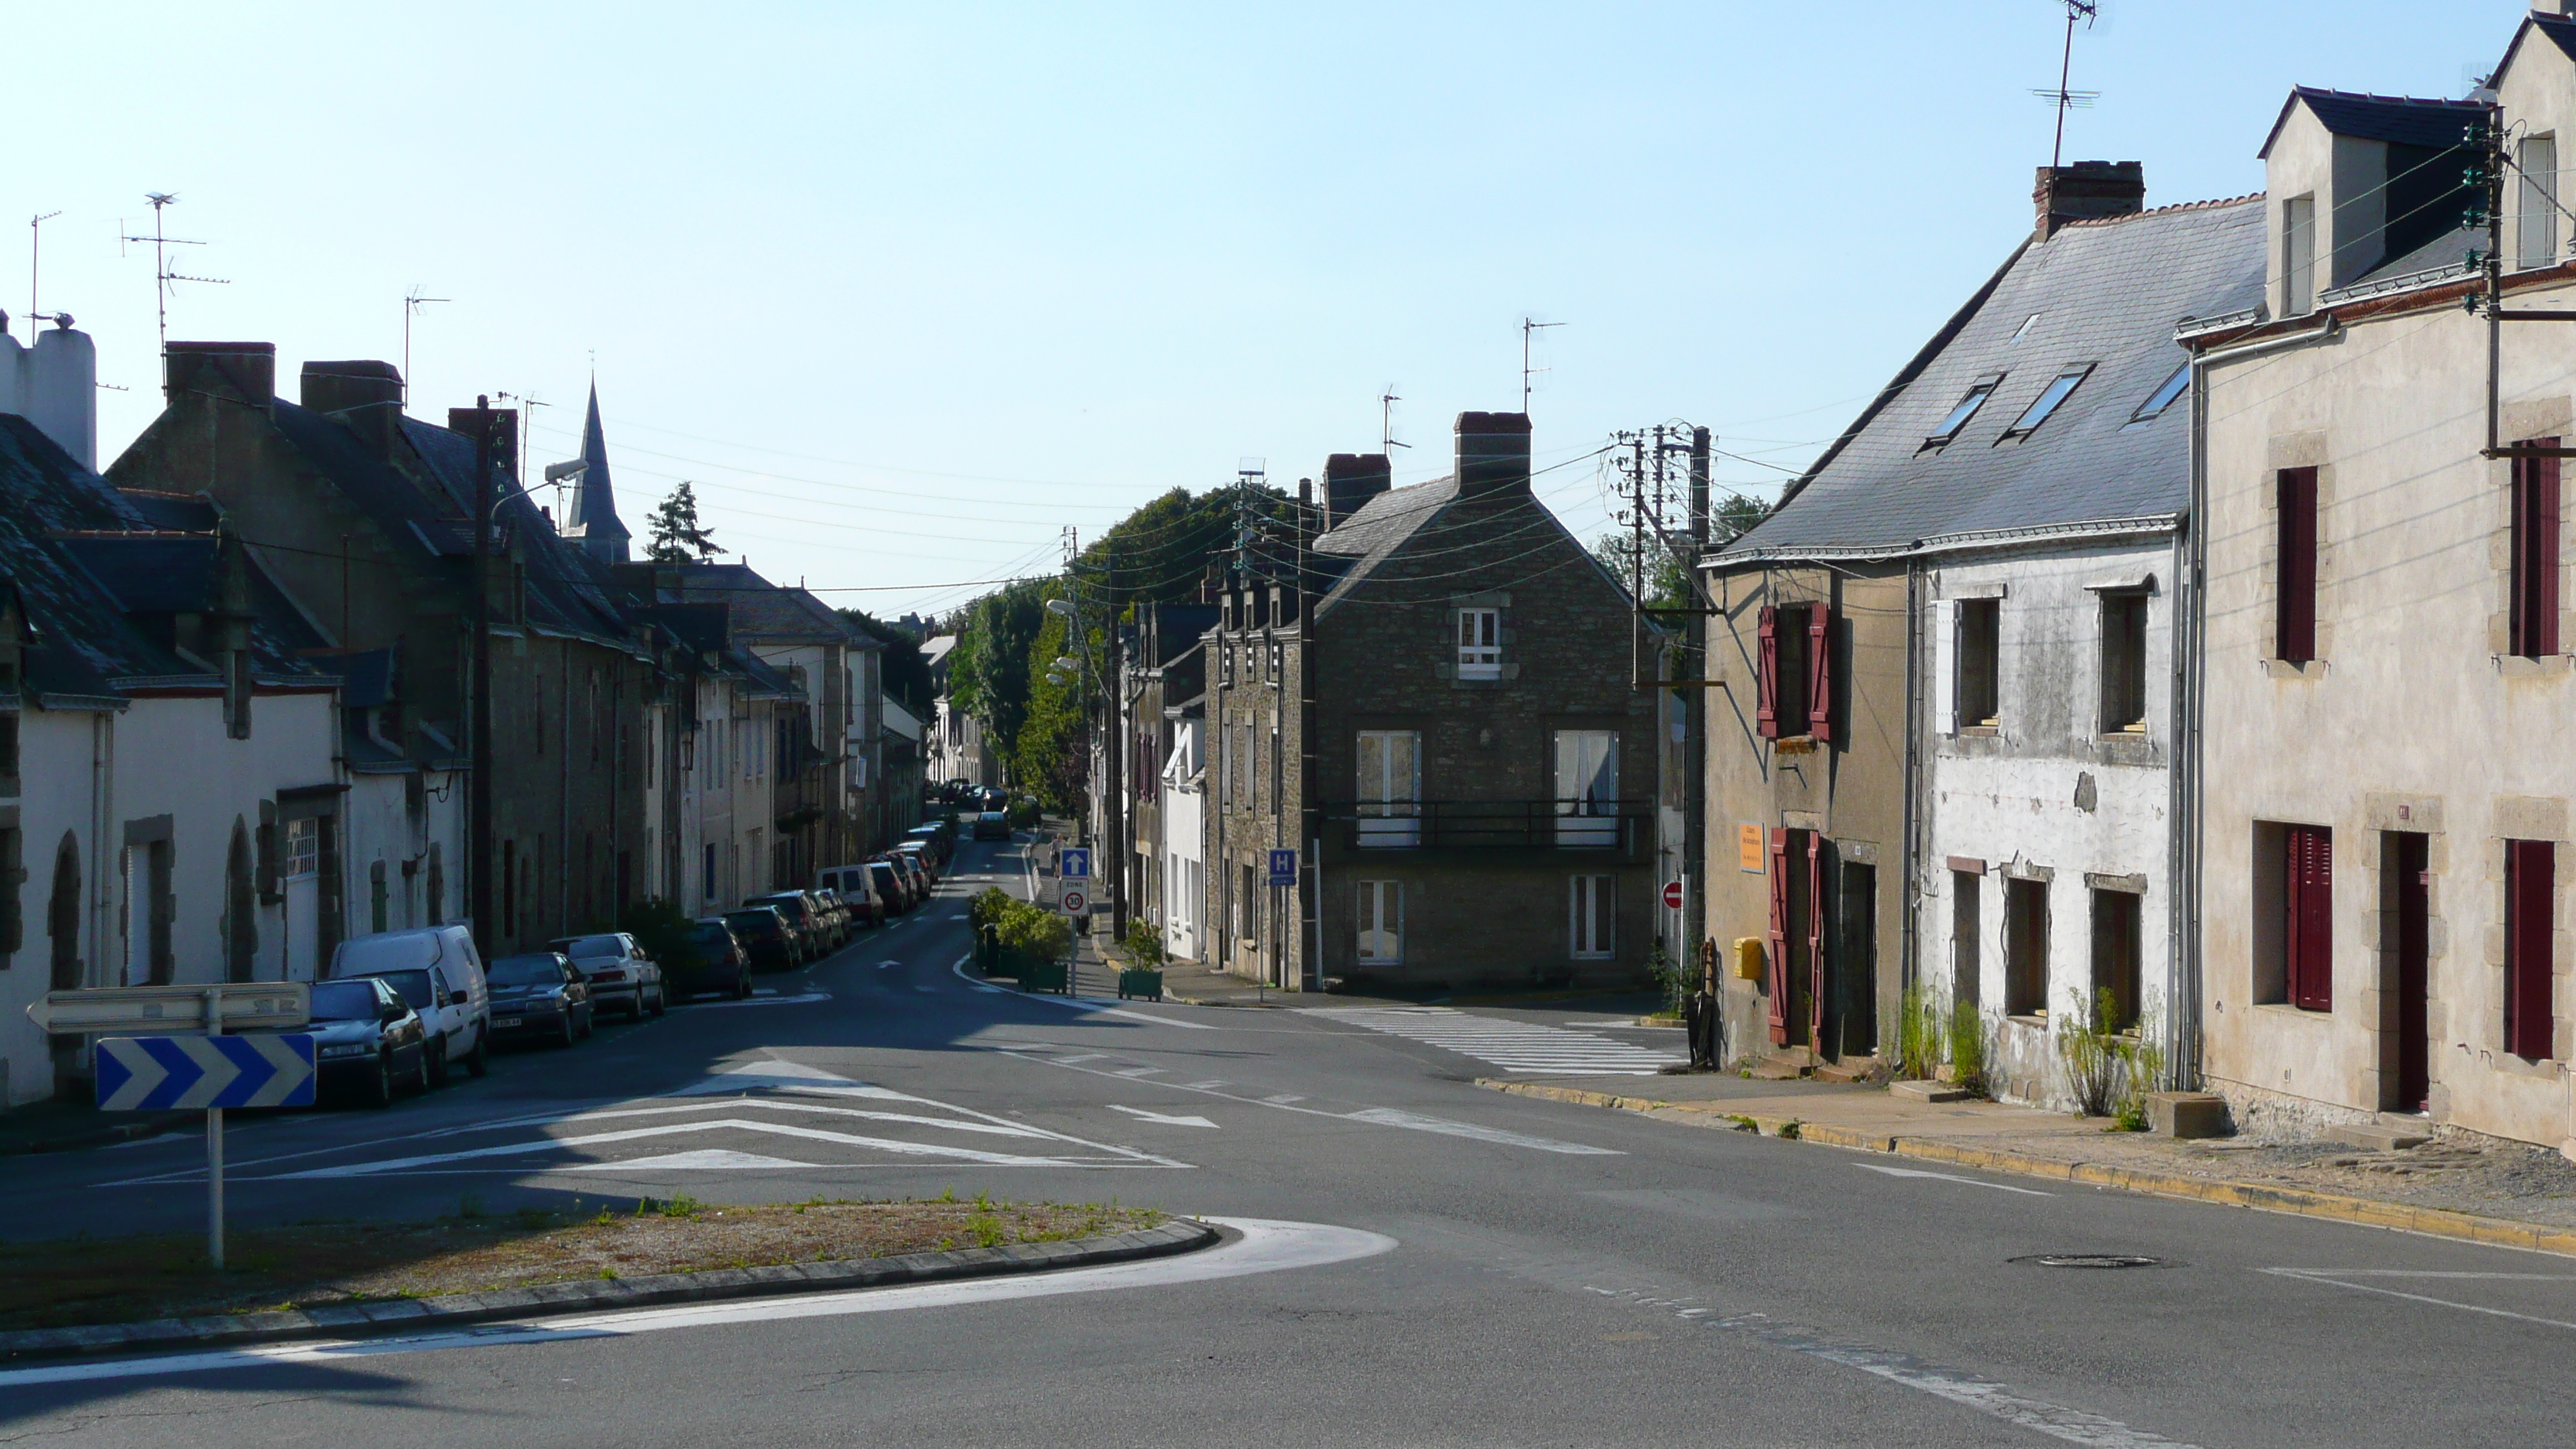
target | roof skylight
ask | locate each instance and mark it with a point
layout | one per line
(2057, 391)
(1983, 389)
(2161, 399)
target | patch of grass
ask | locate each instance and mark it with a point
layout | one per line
(1743, 1123)
(1789, 1130)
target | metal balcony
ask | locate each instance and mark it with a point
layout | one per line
(1620, 828)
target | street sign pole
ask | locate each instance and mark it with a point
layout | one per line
(215, 1147)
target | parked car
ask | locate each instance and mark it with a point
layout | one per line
(939, 837)
(366, 1037)
(439, 975)
(911, 864)
(722, 965)
(766, 937)
(850, 882)
(845, 922)
(893, 888)
(919, 854)
(813, 932)
(621, 977)
(992, 825)
(540, 995)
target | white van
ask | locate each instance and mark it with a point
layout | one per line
(438, 971)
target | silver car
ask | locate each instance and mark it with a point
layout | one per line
(620, 975)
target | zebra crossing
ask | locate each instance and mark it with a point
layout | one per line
(1521, 1047)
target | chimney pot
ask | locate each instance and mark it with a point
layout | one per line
(1350, 481)
(2086, 190)
(364, 395)
(248, 368)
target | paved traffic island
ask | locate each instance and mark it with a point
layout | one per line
(111, 1295)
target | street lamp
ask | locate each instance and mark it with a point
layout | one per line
(1060, 607)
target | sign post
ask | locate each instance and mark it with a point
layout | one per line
(209, 1072)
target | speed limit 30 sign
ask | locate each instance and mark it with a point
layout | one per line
(1075, 900)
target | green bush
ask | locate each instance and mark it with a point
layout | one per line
(1033, 933)
(664, 931)
(1144, 946)
(1967, 1033)
(1022, 813)
(987, 906)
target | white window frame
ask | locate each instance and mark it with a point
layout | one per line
(1389, 793)
(1480, 643)
(1587, 789)
(1381, 944)
(1591, 917)
(303, 852)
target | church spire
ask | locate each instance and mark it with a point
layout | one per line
(592, 518)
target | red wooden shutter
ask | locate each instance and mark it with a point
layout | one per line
(2534, 581)
(2295, 618)
(1820, 672)
(2309, 941)
(1815, 936)
(2530, 888)
(1766, 706)
(1779, 963)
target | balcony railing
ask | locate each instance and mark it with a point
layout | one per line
(1620, 826)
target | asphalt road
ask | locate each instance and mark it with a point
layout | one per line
(1416, 1261)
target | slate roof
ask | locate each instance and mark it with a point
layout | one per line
(98, 583)
(568, 590)
(1345, 556)
(188, 511)
(2104, 292)
(2405, 120)
(763, 612)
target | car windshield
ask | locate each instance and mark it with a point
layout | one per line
(344, 1001)
(882, 871)
(712, 935)
(525, 971)
(793, 905)
(413, 986)
(752, 920)
(584, 948)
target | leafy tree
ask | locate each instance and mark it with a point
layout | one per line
(1667, 570)
(903, 669)
(677, 535)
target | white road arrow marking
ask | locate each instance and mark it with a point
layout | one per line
(1951, 1177)
(1166, 1119)
(710, 1159)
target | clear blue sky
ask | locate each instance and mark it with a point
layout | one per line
(910, 288)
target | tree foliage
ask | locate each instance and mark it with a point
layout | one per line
(677, 536)
(1667, 581)
(902, 669)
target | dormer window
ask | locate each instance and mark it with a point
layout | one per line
(2161, 399)
(1967, 408)
(2535, 233)
(2299, 256)
(2057, 391)
(1480, 643)
(2023, 330)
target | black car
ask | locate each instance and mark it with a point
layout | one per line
(765, 934)
(366, 1038)
(992, 825)
(721, 964)
(538, 995)
(813, 930)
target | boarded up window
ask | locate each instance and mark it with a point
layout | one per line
(2534, 583)
(2530, 891)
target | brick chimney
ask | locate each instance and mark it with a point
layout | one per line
(505, 434)
(1493, 453)
(1350, 481)
(2086, 190)
(248, 369)
(365, 395)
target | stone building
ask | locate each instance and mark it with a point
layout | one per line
(1160, 671)
(1442, 725)
(2384, 847)
(365, 516)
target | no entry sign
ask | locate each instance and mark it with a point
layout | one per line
(1672, 895)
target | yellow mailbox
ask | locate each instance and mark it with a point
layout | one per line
(1748, 958)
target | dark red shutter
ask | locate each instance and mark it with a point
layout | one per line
(2530, 888)
(2309, 941)
(1815, 937)
(1766, 705)
(1820, 672)
(1779, 962)
(2534, 580)
(2295, 621)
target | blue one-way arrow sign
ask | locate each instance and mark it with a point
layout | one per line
(181, 1073)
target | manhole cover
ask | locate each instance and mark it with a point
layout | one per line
(2090, 1260)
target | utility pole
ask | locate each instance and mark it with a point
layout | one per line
(1114, 706)
(479, 801)
(1695, 718)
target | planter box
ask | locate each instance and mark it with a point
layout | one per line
(1042, 976)
(1136, 982)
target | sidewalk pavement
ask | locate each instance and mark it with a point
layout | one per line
(2475, 1189)
(61, 1126)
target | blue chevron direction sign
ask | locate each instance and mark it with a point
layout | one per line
(183, 1073)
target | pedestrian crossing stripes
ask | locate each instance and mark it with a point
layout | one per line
(1525, 1048)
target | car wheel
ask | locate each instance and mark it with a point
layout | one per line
(635, 1006)
(420, 1070)
(589, 1020)
(437, 1069)
(661, 1002)
(380, 1092)
(481, 1061)
(742, 985)
(569, 1035)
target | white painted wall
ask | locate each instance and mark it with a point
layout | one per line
(2046, 793)
(1183, 808)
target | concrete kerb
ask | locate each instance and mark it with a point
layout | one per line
(1180, 1235)
(2262, 1197)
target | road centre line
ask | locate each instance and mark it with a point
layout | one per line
(1374, 1116)
(1261, 1246)
(740, 1124)
(1950, 1177)
(2316, 1275)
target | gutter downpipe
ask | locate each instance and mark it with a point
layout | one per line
(2190, 676)
(1908, 970)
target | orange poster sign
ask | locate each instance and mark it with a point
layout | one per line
(1748, 849)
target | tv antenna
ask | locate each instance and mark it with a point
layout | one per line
(413, 301)
(35, 247)
(1530, 329)
(1386, 402)
(162, 276)
(528, 404)
(2065, 100)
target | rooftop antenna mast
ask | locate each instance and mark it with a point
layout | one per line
(413, 301)
(35, 246)
(1386, 402)
(1530, 329)
(2087, 11)
(162, 276)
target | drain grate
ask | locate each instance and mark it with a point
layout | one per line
(2090, 1260)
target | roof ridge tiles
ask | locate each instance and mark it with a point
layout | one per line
(2343, 95)
(2166, 210)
